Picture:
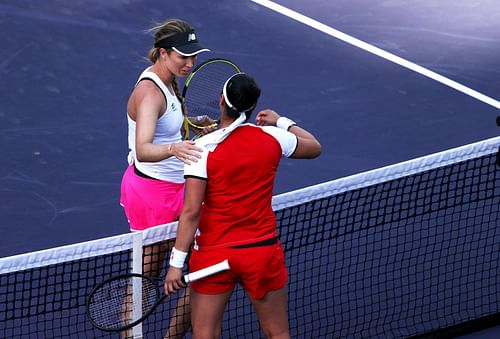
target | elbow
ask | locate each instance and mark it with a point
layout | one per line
(142, 155)
(142, 158)
(139, 153)
(191, 211)
(316, 150)
(189, 218)
(308, 150)
(313, 149)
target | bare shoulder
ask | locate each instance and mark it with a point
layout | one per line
(146, 96)
(147, 87)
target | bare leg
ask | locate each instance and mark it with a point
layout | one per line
(207, 313)
(154, 261)
(180, 321)
(154, 257)
(272, 312)
(126, 309)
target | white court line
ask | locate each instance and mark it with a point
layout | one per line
(377, 51)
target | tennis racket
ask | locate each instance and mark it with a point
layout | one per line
(126, 300)
(202, 91)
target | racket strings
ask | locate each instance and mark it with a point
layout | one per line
(113, 307)
(205, 87)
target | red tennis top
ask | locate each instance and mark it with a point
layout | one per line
(240, 172)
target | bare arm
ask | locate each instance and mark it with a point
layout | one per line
(190, 216)
(188, 223)
(147, 104)
(308, 146)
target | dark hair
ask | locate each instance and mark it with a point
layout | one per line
(241, 93)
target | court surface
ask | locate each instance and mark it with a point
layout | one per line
(67, 68)
(378, 81)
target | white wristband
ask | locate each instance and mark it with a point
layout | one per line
(177, 258)
(285, 123)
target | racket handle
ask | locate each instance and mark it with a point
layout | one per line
(205, 272)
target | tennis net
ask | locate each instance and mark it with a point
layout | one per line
(397, 252)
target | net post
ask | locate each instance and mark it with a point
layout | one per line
(137, 264)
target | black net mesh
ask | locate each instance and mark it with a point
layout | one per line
(394, 259)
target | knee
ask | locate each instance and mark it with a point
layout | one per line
(206, 330)
(205, 333)
(273, 333)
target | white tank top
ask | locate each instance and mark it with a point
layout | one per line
(168, 131)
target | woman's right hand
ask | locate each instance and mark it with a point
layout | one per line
(202, 121)
(173, 281)
(186, 151)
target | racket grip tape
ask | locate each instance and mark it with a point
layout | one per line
(205, 272)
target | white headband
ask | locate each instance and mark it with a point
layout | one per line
(224, 91)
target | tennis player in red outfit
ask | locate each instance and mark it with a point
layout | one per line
(227, 210)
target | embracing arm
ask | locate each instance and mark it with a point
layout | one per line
(308, 146)
(147, 103)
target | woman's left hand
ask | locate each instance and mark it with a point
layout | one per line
(267, 117)
(186, 151)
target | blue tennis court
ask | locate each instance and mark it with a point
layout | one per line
(379, 82)
(68, 67)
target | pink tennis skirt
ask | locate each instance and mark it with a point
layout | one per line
(150, 202)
